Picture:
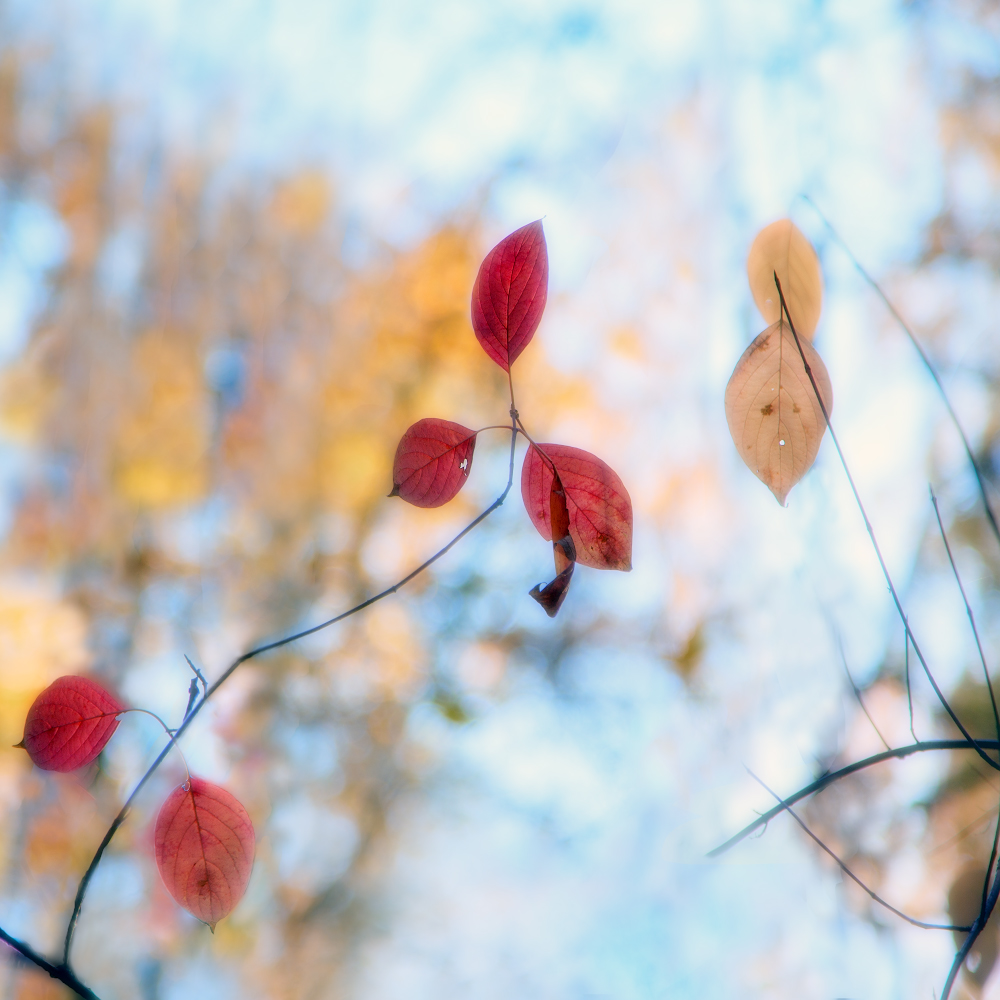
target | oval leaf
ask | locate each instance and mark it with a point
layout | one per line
(70, 723)
(432, 462)
(204, 849)
(599, 508)
(781, 247)
(509, 295)
(773, 414)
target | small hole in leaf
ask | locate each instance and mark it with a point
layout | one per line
(782, 442)
(464, 464)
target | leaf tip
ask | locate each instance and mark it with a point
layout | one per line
(20, 746)
(395, 490)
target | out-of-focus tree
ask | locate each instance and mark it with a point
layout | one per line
(207, 406)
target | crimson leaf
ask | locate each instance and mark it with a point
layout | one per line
(70, 723)
(509, 295)
(599, 508)
(432, 462)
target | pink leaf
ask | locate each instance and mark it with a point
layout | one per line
(432, 462)
(599, 508)
(509, 295)
(204, 849)
(70, 723)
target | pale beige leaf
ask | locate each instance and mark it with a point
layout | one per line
(781, 247)
(774, 416)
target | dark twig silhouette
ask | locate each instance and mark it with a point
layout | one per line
(847, 871)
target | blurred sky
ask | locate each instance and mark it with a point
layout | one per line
(558, 853)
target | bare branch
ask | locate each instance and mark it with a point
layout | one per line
(267, 647)
(829, 778)
(874, 541)
(847, 871)
(990, 516)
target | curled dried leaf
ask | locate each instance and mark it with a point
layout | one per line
(432, 462)
(552, 595)
(782, 248)
(597, 504)
(509, 295)
(70, 723)
(204, 849)
(774, 417)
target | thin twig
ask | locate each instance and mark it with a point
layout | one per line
(197, 672)
(60, 972)
(906, 662)
(871, 535)
(831, 776)
(847, 871)
(968, 611)
(990, 516)
(977, 928)
(170, 732)
(267, 647)
(989, 685)
(854, 686)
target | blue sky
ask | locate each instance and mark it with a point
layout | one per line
(561, 853)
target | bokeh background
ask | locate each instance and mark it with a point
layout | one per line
(237, 243)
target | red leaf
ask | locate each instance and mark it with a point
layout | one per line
(204, 849)
(432, 462)
(509, 295)
(600, 511)
(69, 724)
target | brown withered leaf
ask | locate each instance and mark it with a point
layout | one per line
(773, 414)
(551, 596)
(781, 247)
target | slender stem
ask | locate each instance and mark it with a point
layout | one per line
(906, 662)
(871, 535)
(989, 685)
(168, 731)
(120, 818)
(990, 516)
(856, 689)
(60, 972)
(977, 928)
(968, 611)
(847, 871)
(531, 441)
(830, 777)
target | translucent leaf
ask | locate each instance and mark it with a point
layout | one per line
(773, 414)
(204, 849)
(781, 247)
(509, 295)
(597, 503)
(432, 462)
(70, 723)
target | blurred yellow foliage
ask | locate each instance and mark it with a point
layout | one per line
(302, 203)
(161, 452)
(41, 638)
(356, 468)
(26, 394)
